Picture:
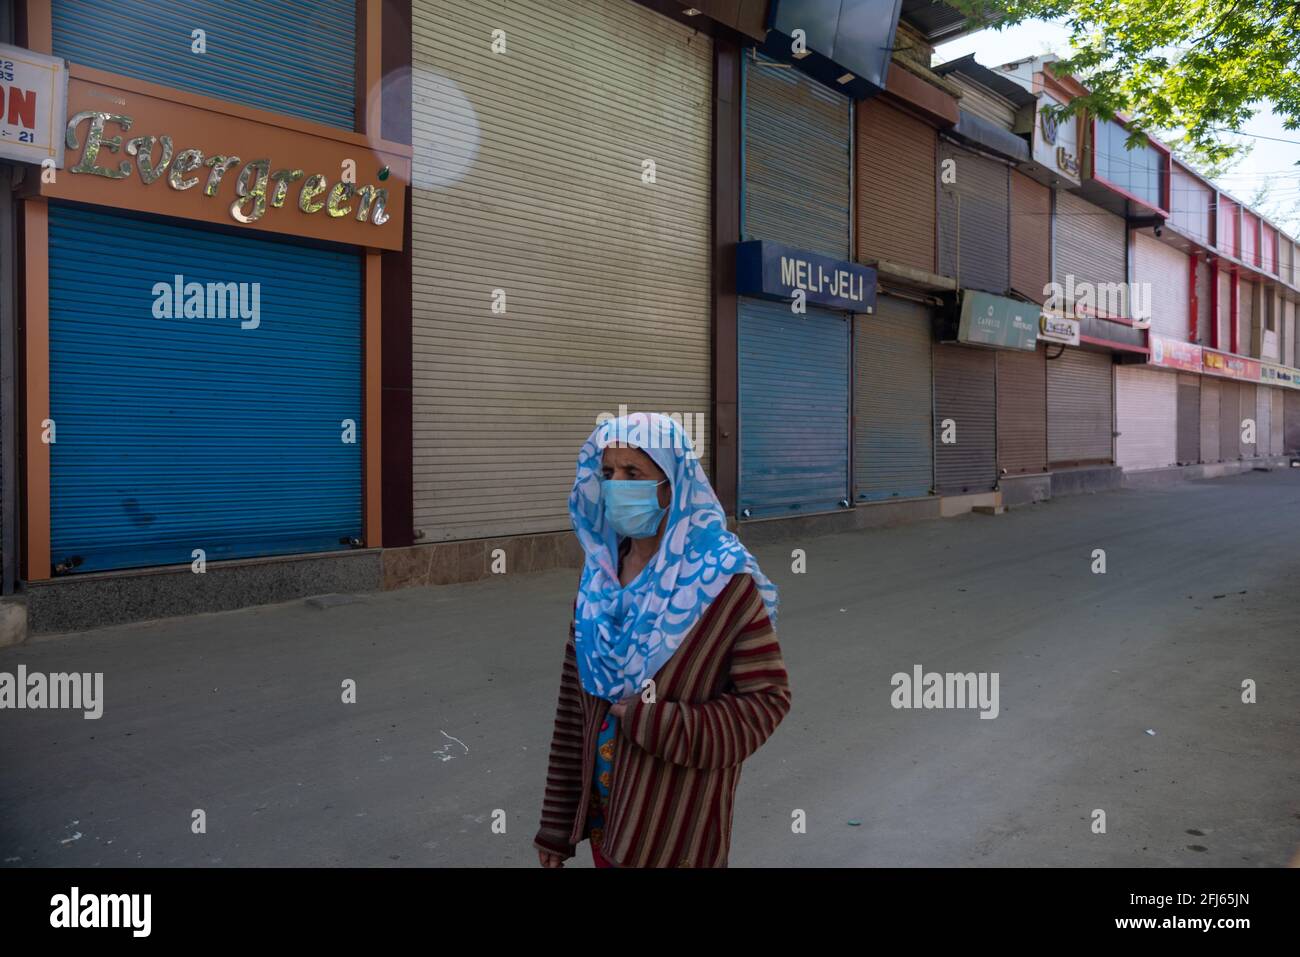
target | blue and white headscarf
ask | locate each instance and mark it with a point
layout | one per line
(625, 635)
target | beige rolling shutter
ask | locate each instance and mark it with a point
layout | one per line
(1263, 421)
(1080, 408)
(1090, 242)
(1146, 410)
(527, 177)
(1277, 423)
(1210, 420)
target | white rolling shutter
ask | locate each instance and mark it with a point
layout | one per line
(1146, 407)
(1168, 273)
(528, 178)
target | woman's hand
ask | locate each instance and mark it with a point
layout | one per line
(547, 859)
(620, 709)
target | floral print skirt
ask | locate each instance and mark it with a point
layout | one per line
(600, 784)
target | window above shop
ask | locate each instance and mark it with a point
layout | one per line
(1142, 173)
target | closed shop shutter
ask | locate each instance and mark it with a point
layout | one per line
(895, 184)
(1229, 421)
(964, 392)
(973, 221)
(794, 409)
(197, 433)
(1090, 242)
(528, 179)
(279, 55)
(1189, 419)
(1080, 418)
(1204, 297)
(1166, 271)
(893, 451)
(1263, 421)
(796, 158)
(1022, 412)
(1291, 421)
(1277, 424)
(1031, 237)
(1248, 409)
(1146, 411)
(1210, 392)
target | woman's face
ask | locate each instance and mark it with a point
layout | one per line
(623, 463)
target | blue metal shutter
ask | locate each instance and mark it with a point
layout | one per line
(280, 55)
(177, 434)
(893, 451)
(797, 158)
(794, 409)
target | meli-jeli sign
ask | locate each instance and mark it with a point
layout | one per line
(256, 187)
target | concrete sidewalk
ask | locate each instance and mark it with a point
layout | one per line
(239, 714)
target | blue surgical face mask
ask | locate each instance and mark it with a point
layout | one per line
(632, 506)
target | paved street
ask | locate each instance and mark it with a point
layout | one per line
(239, 714)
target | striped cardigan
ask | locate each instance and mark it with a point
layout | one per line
(719, 697)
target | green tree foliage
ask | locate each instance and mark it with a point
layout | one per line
(1196, 67)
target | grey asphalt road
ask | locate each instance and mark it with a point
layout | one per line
(240, 714)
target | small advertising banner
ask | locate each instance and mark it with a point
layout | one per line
(1229, 366)
(988, 320)
(1284, 376)
(33, 101)
(1175, 354)
(1053, 327)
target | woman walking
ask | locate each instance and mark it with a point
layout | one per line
(672, 673)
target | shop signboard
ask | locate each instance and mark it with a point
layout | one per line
(199, 159)
(1175, 354)
(769, 270)
(33, 95)
(1229, 366)
(988, 320)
